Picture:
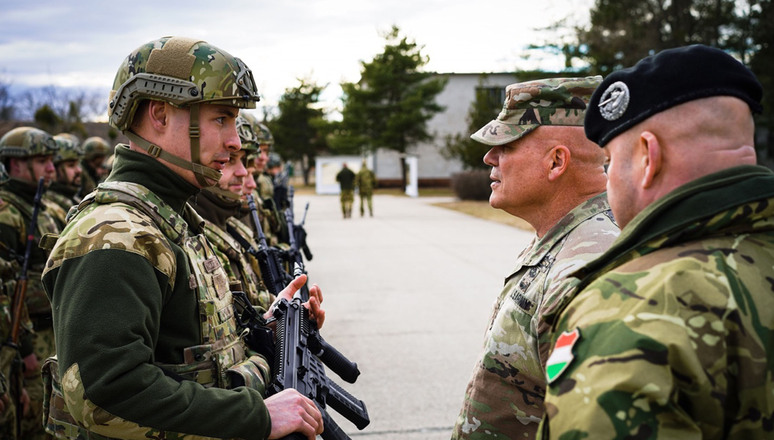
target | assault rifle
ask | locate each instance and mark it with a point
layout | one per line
(20, 292)
(296, 232)
(21, 284)
(300, 351)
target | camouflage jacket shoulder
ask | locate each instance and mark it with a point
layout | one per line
(115, 208)
(673, 326)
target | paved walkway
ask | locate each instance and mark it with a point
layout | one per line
(407, 295)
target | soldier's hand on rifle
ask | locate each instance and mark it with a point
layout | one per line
(290, 412)
(316, 311)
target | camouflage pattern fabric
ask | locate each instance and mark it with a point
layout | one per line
(15, 215)
(504, 398)
(181, 299)
(552, 101)
(365, 180)
(675, 322)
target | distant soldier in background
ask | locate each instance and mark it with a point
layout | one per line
(27, 154)
(346, 179)
(95, 151)
(365, 180)
(65, 190)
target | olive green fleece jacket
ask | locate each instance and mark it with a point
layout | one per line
(115, 315)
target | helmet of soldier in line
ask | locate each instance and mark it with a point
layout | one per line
(69, 148)
(95, 146)
(27, 142)
(246, 135)
(180, 71)
(264, 135)
(274, 160)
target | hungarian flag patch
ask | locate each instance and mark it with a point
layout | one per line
(562, 355)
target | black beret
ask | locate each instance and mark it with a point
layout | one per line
(658, 82)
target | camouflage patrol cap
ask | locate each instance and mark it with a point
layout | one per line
(552, 101)
(69, 148)
(26, 142)
(183, 72)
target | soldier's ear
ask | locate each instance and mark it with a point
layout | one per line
(158, 114)
(650, 160)
(558, 160)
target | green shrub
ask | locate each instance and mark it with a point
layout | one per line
(471, 185)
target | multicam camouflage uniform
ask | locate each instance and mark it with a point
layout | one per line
(143, 314)
(504, 398)
(365, 182)
(161, 298)
(675, 322)
(16, 211)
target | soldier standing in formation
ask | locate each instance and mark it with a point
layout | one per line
(95, 152)
(346, 179)
(27, 154)
(65, 190)
(546, 172)
(669, 333)
(148, 344)
(365, 180)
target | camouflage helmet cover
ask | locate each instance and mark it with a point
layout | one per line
(181, 71)
(246, 134)
(26, 142)
(95, 146)
(69, 148)
(264, 135)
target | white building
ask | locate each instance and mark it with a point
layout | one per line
(432, 168)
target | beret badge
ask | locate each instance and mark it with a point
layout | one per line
(614, 101)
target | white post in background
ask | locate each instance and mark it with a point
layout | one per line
(412, 188)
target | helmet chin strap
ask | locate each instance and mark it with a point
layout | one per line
(206, 176)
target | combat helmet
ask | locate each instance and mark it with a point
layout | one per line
(246, 134)
(95, 146)
(27, 142)
(185, 73)
(263, 134)
(69, 148)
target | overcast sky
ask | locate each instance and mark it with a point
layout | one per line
(82, 43)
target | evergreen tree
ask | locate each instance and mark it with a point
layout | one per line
(390, 106)
(300, 130)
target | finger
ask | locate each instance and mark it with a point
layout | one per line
(316, 291)
(292, 287)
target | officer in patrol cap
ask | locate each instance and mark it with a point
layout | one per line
(669, 333)
(546, 172)
(148, 346)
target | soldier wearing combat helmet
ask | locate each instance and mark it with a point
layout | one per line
(546, 172)
(149, 346)
(65, 190)
(27, 154)
(95, 151)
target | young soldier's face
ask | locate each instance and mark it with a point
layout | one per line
(234, 173)
(33, 168)
(218, 137)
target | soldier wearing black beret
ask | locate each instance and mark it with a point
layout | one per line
(669, 333)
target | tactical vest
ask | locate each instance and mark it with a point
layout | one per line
(37, 302)
(220, 360)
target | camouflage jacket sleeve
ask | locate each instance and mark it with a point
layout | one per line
(134, 311)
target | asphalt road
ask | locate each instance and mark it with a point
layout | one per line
(407, 295)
